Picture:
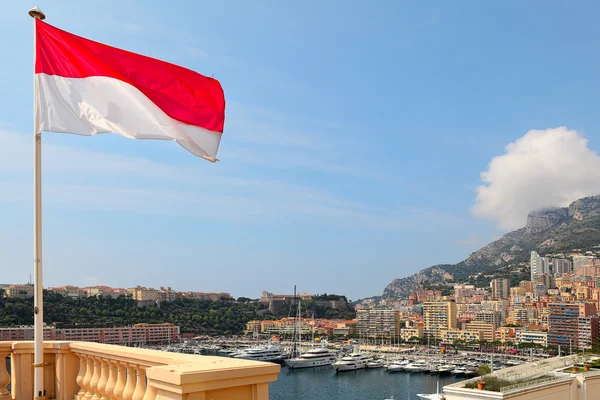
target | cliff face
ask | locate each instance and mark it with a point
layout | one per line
(550, 230)
(540, 220)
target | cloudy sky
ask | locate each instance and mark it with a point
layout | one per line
(363, 142)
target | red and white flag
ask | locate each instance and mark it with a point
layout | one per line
(85, 87)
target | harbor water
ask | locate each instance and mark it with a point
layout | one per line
(363, 384)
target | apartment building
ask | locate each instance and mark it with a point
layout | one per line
(378, 322)
(439, 316)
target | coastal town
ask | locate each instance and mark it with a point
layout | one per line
(557, 307)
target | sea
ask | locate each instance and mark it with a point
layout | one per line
(324, 383)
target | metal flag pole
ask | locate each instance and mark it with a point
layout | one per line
(38, 301)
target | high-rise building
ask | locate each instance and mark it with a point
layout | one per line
(439, 316)
(567, 322)
(539, 265)
(561, 266)
(489, 317)
(378, 322)
(500, 288)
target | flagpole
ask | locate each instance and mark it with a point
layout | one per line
(38, 300)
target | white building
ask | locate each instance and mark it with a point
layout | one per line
(539, 265)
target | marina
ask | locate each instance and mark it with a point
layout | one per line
(342, 371)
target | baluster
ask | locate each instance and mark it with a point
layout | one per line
(130, 386)
(103, 379)
(151, 392)
(87, 379)
(121, 381)
(112, 380)
(96, 379)
(4, 377)
(81, 376)
(140, 384)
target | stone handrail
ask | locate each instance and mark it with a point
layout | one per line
(93, 371)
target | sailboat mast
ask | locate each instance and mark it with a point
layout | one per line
(295, 327)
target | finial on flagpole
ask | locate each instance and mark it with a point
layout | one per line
(35, 12)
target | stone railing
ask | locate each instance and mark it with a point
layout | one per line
(92, 371)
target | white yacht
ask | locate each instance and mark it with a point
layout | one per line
(313, 358)
(445, 368)
(263, 353)
(352, 362)
(433, 396)
(417, 366)
(375, 364)
(458, 371)
(397, 366)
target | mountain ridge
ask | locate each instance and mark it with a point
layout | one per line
(550, 230)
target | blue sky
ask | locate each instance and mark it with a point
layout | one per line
(355, 136)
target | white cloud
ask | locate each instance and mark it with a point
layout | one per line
(551, 167)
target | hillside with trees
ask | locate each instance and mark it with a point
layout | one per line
(197, 316)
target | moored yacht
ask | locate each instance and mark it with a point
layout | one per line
(417, 366)
(445, 368)
(263, 353)
(375, 364)
(313, 358)
(458, 371)
(352, 362)
(397, 366)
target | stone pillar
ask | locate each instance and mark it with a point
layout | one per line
(121, 380)
(87, 379)
(130, 385)
(112, 379)
(95, 379)
(4, 377)
(103, 378)
(140, 384)
(81, 376)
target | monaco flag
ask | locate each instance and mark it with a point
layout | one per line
(85, 87)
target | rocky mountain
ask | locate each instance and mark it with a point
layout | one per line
(548, 231)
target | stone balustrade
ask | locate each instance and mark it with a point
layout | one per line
(92, 371)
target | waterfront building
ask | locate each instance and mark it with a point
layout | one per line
(128, 335)
(500, 288)
(439, 316)
(253, 326)
(563, 324)
(451, 336)
(344, 328)
(407, 333)
(529, 336)
(587, 332)
(506, 334)
(19, 290)
(378, 322)
(488, 331)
